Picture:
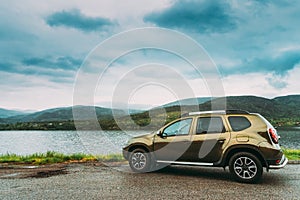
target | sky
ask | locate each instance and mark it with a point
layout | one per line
(45, 45)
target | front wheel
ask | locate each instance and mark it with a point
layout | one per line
(139, 160)
(245, 167)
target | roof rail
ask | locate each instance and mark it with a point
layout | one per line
(208, 112)
(237, 111)
(232, 111)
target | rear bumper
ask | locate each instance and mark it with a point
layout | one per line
(281, 164)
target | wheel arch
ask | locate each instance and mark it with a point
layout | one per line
(139, 146)
(243, 148)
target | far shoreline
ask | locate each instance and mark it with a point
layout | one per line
(118, 129)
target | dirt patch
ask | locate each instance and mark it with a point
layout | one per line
(29, 171)
(15, 171)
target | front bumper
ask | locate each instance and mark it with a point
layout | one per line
(281, 164)
(125, 154)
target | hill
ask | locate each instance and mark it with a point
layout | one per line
(280, 111)
(4, 113)
(187, 102)
(279, 107)
(64, 114)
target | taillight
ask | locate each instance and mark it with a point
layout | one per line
(273, 135)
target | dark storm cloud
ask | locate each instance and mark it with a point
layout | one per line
(60, 68)
(279, 64)
(63, 62)
(199, 16)
(75, 19)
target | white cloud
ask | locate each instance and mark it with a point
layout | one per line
(258, 84)
(32, 92)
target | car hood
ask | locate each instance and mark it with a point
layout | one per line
(145, 139)
(147, 135)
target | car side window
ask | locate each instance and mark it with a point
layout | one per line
(239, 123)
(181, 127)
(210, 125)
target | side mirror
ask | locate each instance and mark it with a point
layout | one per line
(161, 134)
(223, 130)
(158, 133)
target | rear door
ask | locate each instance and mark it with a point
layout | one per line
(209, 139)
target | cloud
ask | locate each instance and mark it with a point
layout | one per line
(37, 71)
(75, 19)
(20, 91)
(199, 16)
(6, 66)
(262, 84)
(268, 2)
(278, 65)
(10, 33)
(60, 69)
(62, 62)
(277, 81)
(43, 44)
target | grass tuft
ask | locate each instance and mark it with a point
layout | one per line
(292, 154)
(49, 157)
(110, 158)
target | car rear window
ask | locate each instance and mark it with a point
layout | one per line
(239, 123)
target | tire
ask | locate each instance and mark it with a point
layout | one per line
(245, 167)
(139, 160)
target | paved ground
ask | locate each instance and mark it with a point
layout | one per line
(93, 181)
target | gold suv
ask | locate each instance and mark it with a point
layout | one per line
(246, 142)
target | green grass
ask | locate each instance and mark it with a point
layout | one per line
(51, 157)
(292, 154)
(110, 158)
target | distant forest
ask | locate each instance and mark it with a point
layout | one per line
(280, 111)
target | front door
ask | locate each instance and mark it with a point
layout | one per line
(173, 141)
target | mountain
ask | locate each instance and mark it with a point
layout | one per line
(8, 113)
(283, 110)
(279, 107)
(266, 107)
(292, 101)
(280, 111)
(64, 114)
(283, 106)
(187, 102)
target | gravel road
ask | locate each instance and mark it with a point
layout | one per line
(94, 181)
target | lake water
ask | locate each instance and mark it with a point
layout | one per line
(92, 142)
(68, 142)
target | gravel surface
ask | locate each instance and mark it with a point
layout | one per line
(95, 181)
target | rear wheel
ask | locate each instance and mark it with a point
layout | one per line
(139, 160)
(245, 167)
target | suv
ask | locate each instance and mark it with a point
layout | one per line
(246, 142)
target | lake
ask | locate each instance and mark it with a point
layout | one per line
(68, 142)
(92, 142)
